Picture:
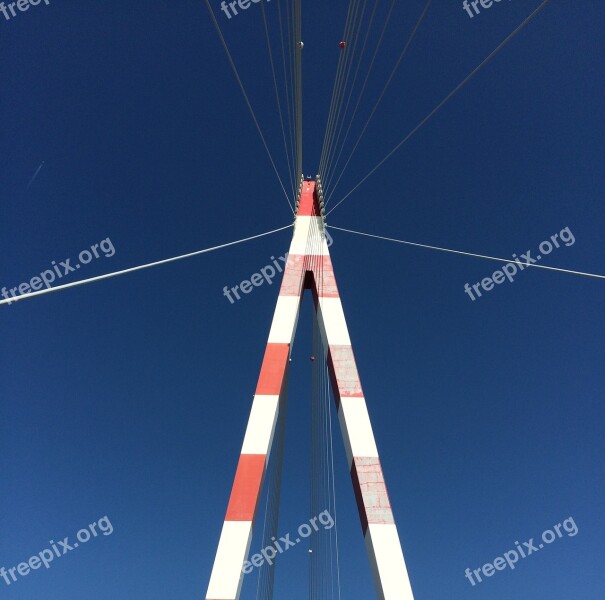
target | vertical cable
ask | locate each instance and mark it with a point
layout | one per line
(287, 73)
(298, 74)
(337, 82)
(346, 89)
(291, 166)
(382, 93)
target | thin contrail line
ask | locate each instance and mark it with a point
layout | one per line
(35, 175)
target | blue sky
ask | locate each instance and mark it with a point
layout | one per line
(129, 398)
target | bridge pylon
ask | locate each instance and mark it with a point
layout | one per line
(309, 266)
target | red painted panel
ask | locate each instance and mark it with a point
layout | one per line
(371, 492)
(343, 373)
(324, 282)
(291, 284)
(273, 369)
(308, 206)
(246, 487)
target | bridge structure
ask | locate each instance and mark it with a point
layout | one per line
(309, 267)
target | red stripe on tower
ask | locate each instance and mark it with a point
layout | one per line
(309, 203)
(273, 369)
(246, 488)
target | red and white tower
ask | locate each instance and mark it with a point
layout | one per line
(309, 266)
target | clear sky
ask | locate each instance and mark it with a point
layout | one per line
(128, 398)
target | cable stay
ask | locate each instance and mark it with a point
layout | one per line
(347, 90)
(297, 48)
(343, 45)
(484, 256)
(381, 95)
(288, 92)
(341, 70)
(252, 113)
(327, 149)
(445, 100)
(289, 151)
(11, 300)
